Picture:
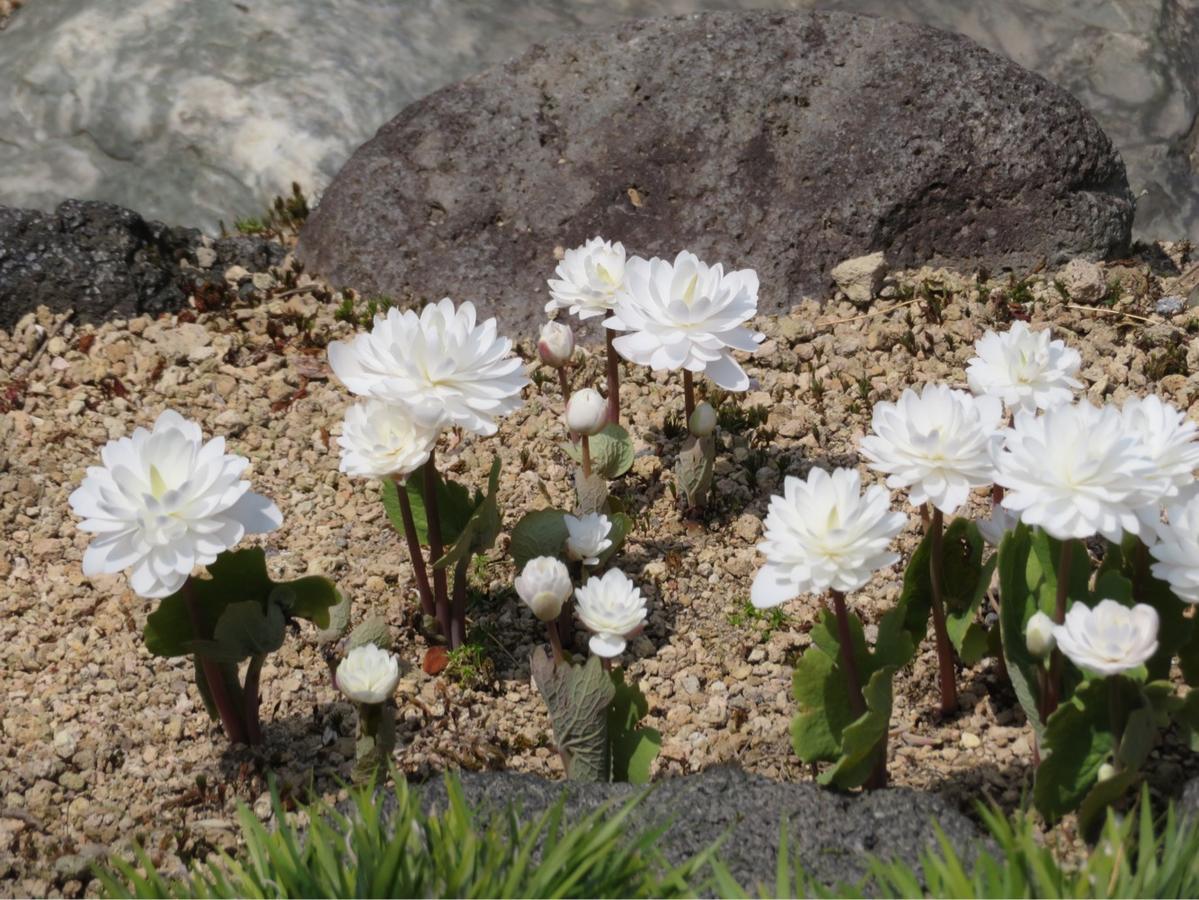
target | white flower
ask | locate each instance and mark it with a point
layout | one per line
(996, 525)
(687, 315)
(544, 584)
(1024, 368)
(588, 279)
(1168, 439)
(939, 444)
(1075, 471)
(1109, 639)
(586, 412)
(379, 440)
(1177, 549)
(1038, 635)
(587, 537)
(368, 674)
(612, 608)
(556, 344)
(164, 502)
(441, 365)
(824, 533)
(703, 420)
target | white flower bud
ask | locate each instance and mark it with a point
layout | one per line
(368, 674)
(587, 412)
(544, 584)
(1106, 771)
(1038, 635)
(703, 420)
(556, 345)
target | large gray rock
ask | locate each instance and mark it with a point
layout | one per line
(830, 834)
(785, 142)
(103, 262)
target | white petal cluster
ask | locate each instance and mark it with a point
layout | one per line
(938, 444)
(587, 537)
(1109, 639)
(588, 279)
(687, 315)
(586, 412)
(1076, 471)
(1168, 439)
(1024, 368)
(380, 440)
(442, 366)
(368, 674)
(544, 585)
(824, 533)
(164, 502)
(1038, 635)
(612, 609)
(556, 344)
(1177, 549)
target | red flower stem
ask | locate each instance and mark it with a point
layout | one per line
(253, 682)
(586, 457)
(436, 549)
(564, 383)
(218, 689)
(414, 551)
(613, 378)
(688, 396)
(936, 573)
(458, 606)
(857, 703)
(551, 628)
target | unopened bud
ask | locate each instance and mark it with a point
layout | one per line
(556, 345)
(586, 412)
(703, 420)
(1038, 635)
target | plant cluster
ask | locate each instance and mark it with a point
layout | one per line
(1089, 643)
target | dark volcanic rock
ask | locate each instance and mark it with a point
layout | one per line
(830, 833)
(106, 262)
(785, 142)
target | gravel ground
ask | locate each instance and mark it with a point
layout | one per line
(100, 743)
(7, 9)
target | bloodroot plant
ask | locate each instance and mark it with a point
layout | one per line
(163, 502)
(824, 536)
(440, 369)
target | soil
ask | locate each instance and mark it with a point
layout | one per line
(102, 744)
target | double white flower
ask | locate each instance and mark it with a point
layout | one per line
(588, 279)
(164, 502)
(442, 366)
(1024, 368)
(612, 608)
(687, 315)
(1109, 639)
(368, 674)
(544, 585)
(1076, 471)
(587, 537)
(1168, 439)
(939, 444)
(1177, 549)
(824, 533)
(380, 440)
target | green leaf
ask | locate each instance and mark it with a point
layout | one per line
(1092, 811)
(578, 698)
(538, 533)
(481, 529)
(454, 504)
(1126, 576)
(694, 468)
(611, 452)
(244, 629)
(632, 750)
(1078, 740)
(339, 620)
(591, 492)
(862, 740)
(236, 576)
(1028, 562)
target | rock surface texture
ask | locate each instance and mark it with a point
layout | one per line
(106, 262)
(830, 834)
(784, 142)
